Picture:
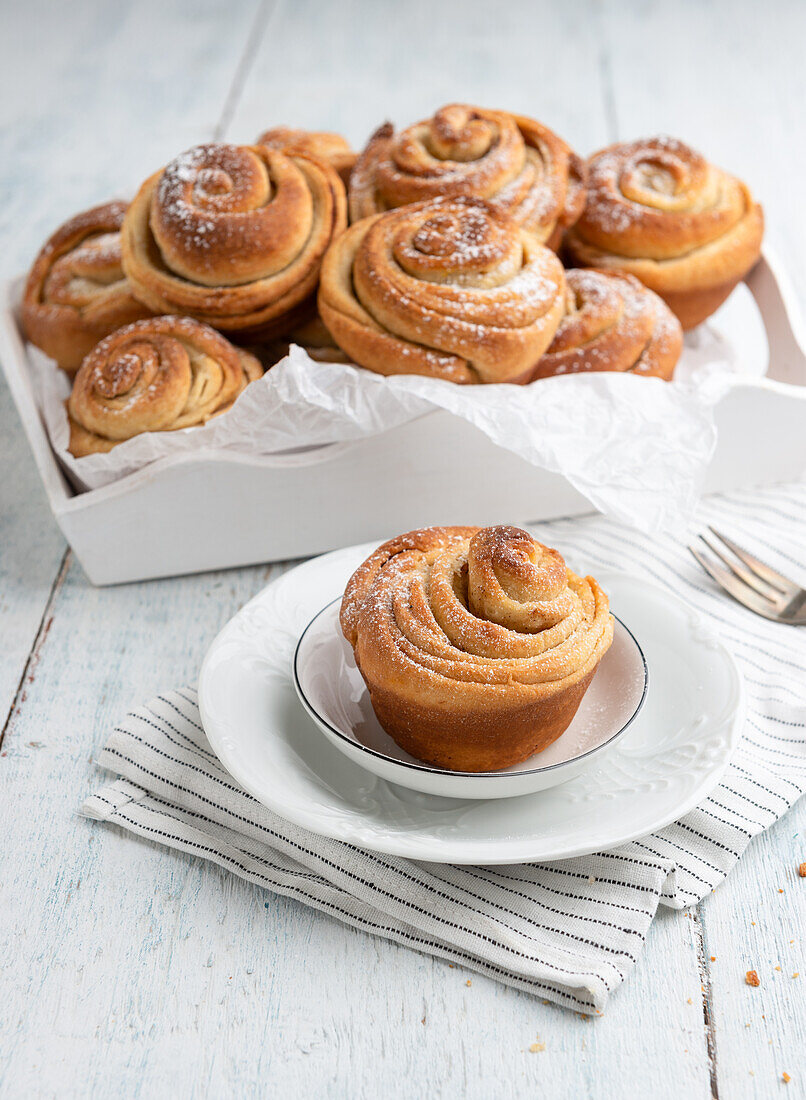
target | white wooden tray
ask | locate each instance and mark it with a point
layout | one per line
(191, 513)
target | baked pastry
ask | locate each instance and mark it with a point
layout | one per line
(612, 322)
(454, 288)
(476, 644)
(314, 337)
(658, 210)
(316, 143)
(317, 340)
(154, 376)
(76, 292)
(233, 235)
(510, 159)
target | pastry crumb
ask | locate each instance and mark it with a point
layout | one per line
(796, 974)
(777, 968)
(785, 1078)
(535, 1048)
(713, 958)
(689, 1001)
(468, 982)
(780, 889)
(751, 978)
(802, 870)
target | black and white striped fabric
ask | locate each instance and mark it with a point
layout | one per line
(569, 932)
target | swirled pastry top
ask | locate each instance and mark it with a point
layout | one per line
(612, 322)
(154, 376)
(76, 291)
(233, 234)
(515, 161)
(322, 144)
(485, 617)
(453, 288)
(660, 210)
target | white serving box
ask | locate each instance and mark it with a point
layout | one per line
(192, 513)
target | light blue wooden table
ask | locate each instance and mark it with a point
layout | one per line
(126, 970)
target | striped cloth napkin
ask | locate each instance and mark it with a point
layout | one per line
(569, 932)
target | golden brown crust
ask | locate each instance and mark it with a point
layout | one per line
(233, 235)
(322, 144)
(314, 337)
(317, 339)
(76, 292)
(612, 322)
(509, 159)
(154, 376)
(476, 644)
(454, 289)
(657, 209)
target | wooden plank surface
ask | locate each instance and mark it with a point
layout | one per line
(148, 972)
(87, 108)
(131, 971)
(348, 67)
(746, 110)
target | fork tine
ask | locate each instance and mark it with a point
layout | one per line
(762, 587)
(777, 580)
(736, 588)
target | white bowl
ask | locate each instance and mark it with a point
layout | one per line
(333, 692)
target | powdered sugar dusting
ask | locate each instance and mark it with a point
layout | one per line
(415, 618)
(457, 276)
(612, 323)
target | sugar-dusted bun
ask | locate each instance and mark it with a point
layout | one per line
(322, 144)
(233, 235)
(453, 288)
(512, 160)
(154, 376)
(476, 644)
(659, 210)
(76, 292)
(612, 323)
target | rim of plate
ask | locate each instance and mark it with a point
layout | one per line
(314, 713)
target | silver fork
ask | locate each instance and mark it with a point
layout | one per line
(752, 583)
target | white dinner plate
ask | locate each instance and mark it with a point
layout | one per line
(673, 754)
(332, 691)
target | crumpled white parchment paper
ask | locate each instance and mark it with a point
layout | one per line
(636, 448)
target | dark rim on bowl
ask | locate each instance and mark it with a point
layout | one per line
(314, 713)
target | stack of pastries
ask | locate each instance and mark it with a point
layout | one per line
(473, 247)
